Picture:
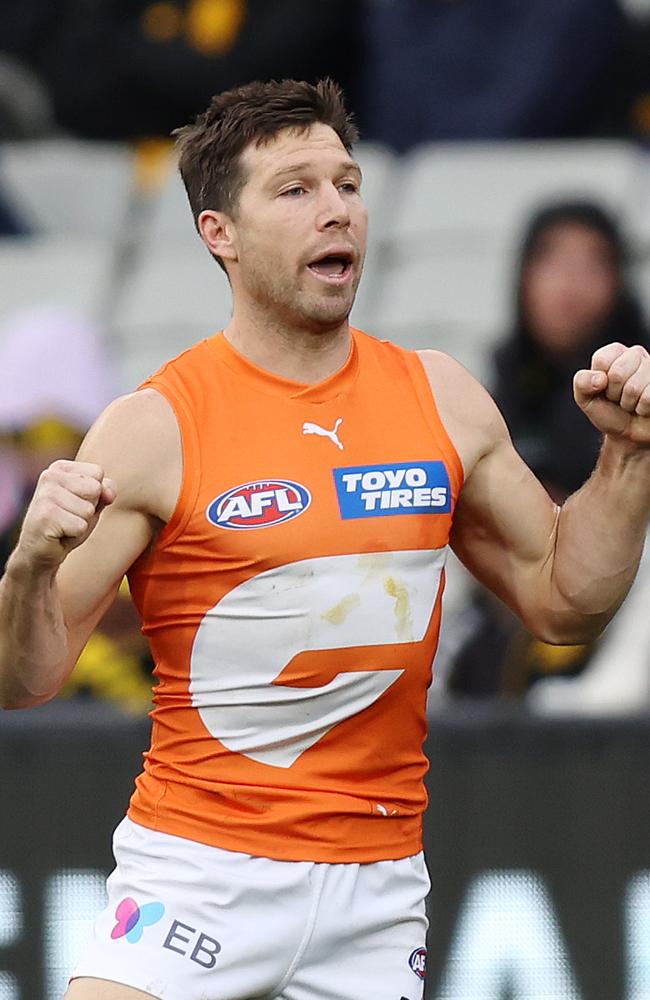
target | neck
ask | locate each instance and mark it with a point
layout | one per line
(294, 353)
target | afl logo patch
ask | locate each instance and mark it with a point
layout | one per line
(418, 962)
(259, 504)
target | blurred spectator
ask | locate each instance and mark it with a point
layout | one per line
(130, 68)
(56, 378)
(572, 297)
(435, 70)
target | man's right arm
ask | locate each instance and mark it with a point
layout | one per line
(88, 521)
(34, 648)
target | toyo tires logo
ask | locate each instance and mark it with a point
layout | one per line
(259, 504)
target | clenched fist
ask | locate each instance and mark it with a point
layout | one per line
(64, 510)
(615, 392)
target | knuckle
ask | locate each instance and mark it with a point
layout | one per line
(43, 516)
(88, 510)
(609, 350)
(79, 526)
(47, 476)
(90, 490)
(48, 509)
(633, 388)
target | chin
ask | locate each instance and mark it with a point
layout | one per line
(325, 320)
(330, 312)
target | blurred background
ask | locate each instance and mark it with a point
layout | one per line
(506, 158)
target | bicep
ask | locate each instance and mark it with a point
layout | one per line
(131, 442)
(505, 527)
(505, 524)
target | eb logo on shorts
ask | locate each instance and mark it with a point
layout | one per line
(399, 488)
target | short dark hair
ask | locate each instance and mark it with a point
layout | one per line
(209, 149)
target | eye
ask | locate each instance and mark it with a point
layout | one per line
(349, 187)
(293, 192)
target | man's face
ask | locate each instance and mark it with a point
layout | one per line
(299, 229)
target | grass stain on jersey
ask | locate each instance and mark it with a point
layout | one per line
(340, 611)
(403, 623)
(374, 563)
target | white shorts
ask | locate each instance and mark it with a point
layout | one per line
(186, 921)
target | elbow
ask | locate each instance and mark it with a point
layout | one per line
(14, 697)
(565, 636)
(568, 628)
(9, 705)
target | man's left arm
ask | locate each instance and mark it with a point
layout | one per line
(565, 571)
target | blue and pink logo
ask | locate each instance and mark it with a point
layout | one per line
(132, 919)
(259, 504)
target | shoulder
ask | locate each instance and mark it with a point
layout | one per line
(141, 422)
(467, 410)
(137, 441)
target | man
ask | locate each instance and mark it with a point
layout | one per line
(283, 495)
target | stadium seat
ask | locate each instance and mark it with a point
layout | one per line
(638, 222)
(456, 302)
(481, 191)
(174, 297)
(44, 271)
(170, 217)
(69, 187)
(380, 168)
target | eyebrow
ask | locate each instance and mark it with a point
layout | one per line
(297, 168)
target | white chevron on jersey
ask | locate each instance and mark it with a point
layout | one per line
(335, 602)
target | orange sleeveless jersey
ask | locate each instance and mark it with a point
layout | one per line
(292, 604)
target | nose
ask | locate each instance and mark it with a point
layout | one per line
(333, 212)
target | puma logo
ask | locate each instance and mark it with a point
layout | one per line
(309, 428)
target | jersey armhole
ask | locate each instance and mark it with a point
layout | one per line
(190, 461)
(427, 399)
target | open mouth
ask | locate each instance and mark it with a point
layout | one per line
(335, 267)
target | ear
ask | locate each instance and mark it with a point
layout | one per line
(218, 233)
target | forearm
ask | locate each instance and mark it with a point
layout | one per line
(599, 541)
(33, 635)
